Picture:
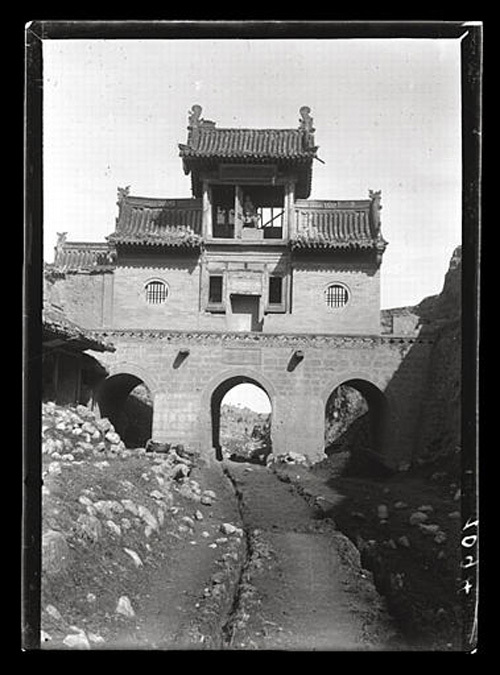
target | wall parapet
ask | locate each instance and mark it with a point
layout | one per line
(261, 339)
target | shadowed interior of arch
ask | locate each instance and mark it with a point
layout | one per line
(127, 402)
(252, 398)
(356, 414)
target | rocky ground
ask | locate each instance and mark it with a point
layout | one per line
(147, 550)
(135, 544)
(407, 528)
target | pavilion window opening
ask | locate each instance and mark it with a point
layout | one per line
(237, 209)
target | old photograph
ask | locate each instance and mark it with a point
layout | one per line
(250, 366)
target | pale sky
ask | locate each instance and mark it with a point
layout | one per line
(386, 113)
(249, 395)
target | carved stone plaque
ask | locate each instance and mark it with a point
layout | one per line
(245, 283)
(241, 356)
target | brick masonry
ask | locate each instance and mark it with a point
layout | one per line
(183, 387)
(117, 300)
(338, 345)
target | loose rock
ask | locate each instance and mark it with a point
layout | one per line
(54, 468)
(78, 641)
(55, 552)
(88, 527)
(124, 607)
(114, 527)
(426, 508)
(229, 528)
(429, 529)
(104, 425)
(144, 513)
(130, 506)
(404, 541)
(44, 637)
(418, 517)
(53, 612)
(95, 638)
(137, 561)
(382, 512)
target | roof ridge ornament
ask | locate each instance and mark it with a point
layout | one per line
(61, 240)
(194, 116)
(123, 193)
(306, 121)
(375, 208)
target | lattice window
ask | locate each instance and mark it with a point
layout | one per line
(156, 292)
(215, 290)
(275, 290)
(336, 296)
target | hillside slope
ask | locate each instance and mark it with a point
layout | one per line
(119, 529)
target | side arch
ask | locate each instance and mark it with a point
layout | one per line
(342, 378)
(380, 409)
(126, 398)
(132, 368)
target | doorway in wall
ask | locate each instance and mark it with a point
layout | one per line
(241, 414)
(245, 313)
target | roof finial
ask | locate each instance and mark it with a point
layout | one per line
(123, 193)
(306, 121)
(194, 119)
(375, 208)
(61, 239)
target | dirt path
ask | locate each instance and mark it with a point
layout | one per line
(312, 594)
(167, 603)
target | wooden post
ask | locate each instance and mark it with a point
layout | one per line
(289, 219)
(207, 212)
(238, 212)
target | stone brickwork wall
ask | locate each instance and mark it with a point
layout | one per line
(361, 315)
(86, 298)
(184, 308)
(117, 299)
(182, 386)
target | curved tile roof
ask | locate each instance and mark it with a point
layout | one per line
(336, 225)
(207, 145)
(57, 326)
(158, 222)
(208, 142)
(76, 255)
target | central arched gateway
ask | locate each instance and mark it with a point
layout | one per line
(216, 401)
(215, 391)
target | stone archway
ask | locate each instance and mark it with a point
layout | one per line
(215, 392)
(377, 419)
(126, 400)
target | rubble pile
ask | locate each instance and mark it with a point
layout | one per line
(70, 434)
(108, 512)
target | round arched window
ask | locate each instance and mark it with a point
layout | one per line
(156, 292)
(336, 295)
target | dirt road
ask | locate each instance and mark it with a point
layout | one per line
(311, 593)
(290, 581)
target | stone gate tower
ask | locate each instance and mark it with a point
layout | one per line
(248, 280)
